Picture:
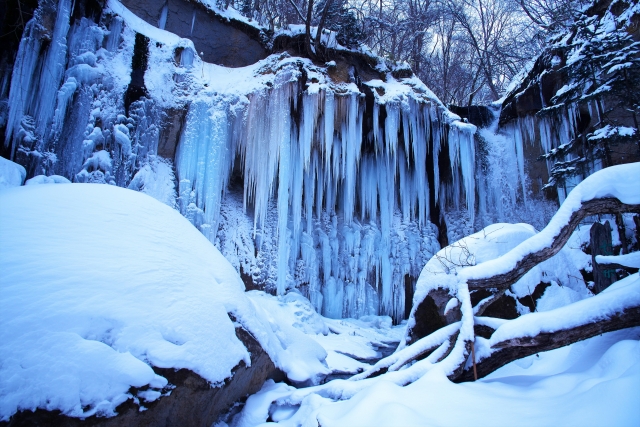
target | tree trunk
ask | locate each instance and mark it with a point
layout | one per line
(307, 38)
(591, 207)
(603, 276)
(500, 283)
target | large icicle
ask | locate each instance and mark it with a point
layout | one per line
(36, 78)
(204, 162)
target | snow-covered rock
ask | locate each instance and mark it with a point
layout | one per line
(100, 285)
(43, 179)
(11, 174)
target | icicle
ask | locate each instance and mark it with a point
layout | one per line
(517, 139)
(115, 30)
(351, 138)
(436, 135)
(205, 160)
(462, 155)
(162, 22)
(27, 95)
(283, 212)
(329, 120)
(52, 72)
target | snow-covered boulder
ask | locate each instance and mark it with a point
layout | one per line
(106, 293)
(43, 179)
(11, 174)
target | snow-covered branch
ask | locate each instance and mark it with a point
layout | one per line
(617, 307)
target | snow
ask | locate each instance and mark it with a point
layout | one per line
(156, 178)
(290, 317)
(99, 284)
(598, 388)
(608, 131)
(140, 26)
(631, 260)
(345, 343)
(43, 179)
(590, 383)
(623, 294)
(11, 174)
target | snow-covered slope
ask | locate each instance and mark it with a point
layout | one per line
(97, 283)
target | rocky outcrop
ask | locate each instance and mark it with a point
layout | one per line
(189, 400)
(222, 41)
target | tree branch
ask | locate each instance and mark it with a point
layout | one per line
(297, 10)
(517, 348)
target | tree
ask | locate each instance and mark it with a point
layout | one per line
(551, 15)
(497, 36)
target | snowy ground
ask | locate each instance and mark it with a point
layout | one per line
(590, 383)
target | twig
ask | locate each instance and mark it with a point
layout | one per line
(473, 356)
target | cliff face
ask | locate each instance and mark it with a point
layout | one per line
(341, 179)
(222, 40)
(577, 105)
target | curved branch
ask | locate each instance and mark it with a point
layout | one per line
(417, 351)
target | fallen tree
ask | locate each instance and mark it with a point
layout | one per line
(444, 301)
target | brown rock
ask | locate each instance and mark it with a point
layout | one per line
(194, 402)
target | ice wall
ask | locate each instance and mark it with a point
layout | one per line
(552, 130)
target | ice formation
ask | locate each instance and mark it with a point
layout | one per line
(552, 131)
(337, 180)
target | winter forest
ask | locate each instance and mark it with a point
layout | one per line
(319, 213)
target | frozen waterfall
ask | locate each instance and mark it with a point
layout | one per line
(301, 180)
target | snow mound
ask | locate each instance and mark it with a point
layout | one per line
(100, 283)
(11, 174)
(43, 179)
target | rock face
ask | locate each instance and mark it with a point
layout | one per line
(224, 42)
(479, 115)
(192, 403)
(551, 113)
